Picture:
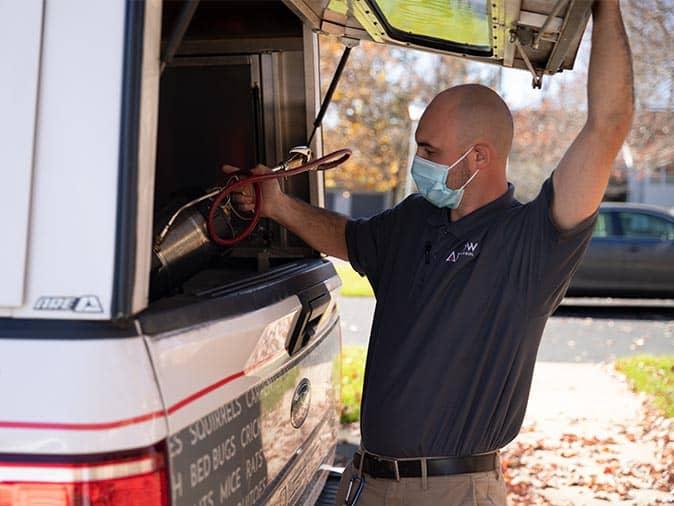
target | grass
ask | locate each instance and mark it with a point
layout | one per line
(653, 376)
(353, 284)
(353, 368)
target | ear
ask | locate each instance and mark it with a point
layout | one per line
(483, 155)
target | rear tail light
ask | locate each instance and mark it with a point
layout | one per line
(136, 480)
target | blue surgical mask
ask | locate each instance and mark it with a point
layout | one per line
(431, 178)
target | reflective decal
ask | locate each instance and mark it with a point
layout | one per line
(83, 304)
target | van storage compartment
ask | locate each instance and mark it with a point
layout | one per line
(228, 96)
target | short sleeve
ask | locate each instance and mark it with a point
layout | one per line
(367, 243)
(553, 254)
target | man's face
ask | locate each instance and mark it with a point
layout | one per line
(436, 141)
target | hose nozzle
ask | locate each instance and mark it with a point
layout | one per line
(300, 154)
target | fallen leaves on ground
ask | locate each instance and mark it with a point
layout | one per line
(610, 466)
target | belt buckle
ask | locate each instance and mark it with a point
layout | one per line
(396, 468)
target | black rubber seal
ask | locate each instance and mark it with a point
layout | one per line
(186, 311)
(34, 328)
(127, 185)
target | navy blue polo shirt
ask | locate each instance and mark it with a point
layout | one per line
(460, 310)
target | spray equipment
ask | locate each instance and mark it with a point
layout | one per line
(199, 229)
(326, 162)
(189, 237)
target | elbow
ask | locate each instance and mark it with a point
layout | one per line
(622, 119)
(612, 127)
(611, 105)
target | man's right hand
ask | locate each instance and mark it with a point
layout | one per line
(244, 198)
(323, 230)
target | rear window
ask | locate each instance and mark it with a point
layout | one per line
(459, 25)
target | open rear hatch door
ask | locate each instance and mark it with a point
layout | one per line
(541, 36)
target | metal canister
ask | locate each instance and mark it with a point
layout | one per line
(182, 247)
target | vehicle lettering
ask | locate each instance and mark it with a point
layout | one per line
(177, 487)
(88, 304)
(200, 469)
(250, 432)
(55, 303)
(252, 398)
(212, 422)
(223, 452)
(175, 446)
(231, 484)
(254, 464)
(206, 499)
(253, 494)
(83, 304)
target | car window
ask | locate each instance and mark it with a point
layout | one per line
(640, 225)
(604, 225)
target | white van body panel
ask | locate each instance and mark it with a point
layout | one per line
(90, 396)
(224, 349)
(74, 190)
(229, 388)
(20, 27)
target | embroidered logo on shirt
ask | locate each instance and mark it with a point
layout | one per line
(468, 251)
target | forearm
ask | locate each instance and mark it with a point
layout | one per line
(323, 230)
(610, 80)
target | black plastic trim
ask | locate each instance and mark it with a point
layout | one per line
(127, 185)
(158, 449)
(187, 311)
(33, 328)
(429, 42)
(315, 301)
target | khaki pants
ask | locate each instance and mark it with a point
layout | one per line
(475, 489)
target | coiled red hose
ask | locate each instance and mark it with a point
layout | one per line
(326, 162)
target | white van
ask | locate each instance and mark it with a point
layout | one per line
(139, 363)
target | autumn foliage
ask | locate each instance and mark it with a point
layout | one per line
(370, 107)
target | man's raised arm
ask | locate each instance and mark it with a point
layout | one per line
(581, 177)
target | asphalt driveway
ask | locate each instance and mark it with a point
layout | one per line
(582, 330)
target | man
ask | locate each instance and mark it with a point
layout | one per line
(465, 279)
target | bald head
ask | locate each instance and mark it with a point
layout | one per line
(469, 128)
(468, 114)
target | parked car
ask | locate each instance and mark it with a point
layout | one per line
(631, 254)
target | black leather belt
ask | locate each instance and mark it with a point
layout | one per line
(379, 467)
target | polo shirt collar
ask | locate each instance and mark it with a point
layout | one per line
(439, 217)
